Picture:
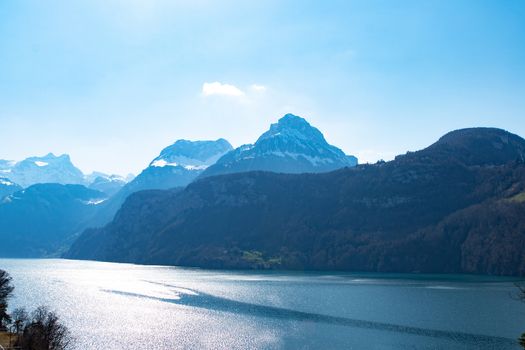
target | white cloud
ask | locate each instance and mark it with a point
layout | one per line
(258, 88)
(216, 88)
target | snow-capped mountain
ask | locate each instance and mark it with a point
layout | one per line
(192, 155)
(46, 169)
(7, 187)
(291, 145)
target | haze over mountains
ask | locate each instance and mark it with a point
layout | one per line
(42, 219)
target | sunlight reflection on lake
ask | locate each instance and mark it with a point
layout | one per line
(124, 306)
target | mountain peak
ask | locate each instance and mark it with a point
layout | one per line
(469, 135)
(292, 119)
(476, 147)
(291, 145)
(45, 169)
(51, 156)
(293, 127)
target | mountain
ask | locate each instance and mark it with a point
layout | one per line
(457, 206)
(46, 169)
(109, 184)
(291, 145)
(39, 220)
(179, 164)
(6, 166)
(478, 146)
(192, 154)
(176, 166)
(7, 187)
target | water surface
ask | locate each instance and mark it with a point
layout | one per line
(124, 306)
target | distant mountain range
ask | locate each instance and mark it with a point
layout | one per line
(46, 169)
(291, 145)
(59, 170)
(457, 206)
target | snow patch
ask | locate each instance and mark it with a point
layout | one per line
(313, 160)
(161, 163)
(195, 167)
(39, 163)
(6, 183)
(94, 201)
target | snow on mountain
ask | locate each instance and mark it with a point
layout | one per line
(6, 182)
(46, 169)
(179, 163)
(291, 145)
(90, 178)
(192, 155)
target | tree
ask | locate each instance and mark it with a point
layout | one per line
(521, 297)
(6, 289)
(20, 319)
(45, 332)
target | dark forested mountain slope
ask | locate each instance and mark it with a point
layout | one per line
(456, 206)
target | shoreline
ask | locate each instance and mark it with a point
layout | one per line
(451, 277)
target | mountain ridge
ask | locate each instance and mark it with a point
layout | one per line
(392, 216)
(173, 167)
(40, 220)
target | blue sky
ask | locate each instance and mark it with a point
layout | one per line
(112, 82)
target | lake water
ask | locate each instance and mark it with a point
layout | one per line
(124, 306)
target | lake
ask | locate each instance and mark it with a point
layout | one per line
(125, 306)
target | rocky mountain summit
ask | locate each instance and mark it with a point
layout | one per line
(46, 169)
(291, 145)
